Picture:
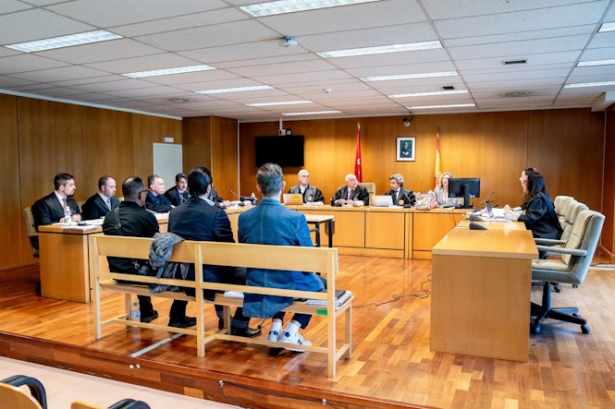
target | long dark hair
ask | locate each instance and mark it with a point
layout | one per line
(535, 186)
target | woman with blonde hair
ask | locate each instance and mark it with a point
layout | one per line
(441, 192)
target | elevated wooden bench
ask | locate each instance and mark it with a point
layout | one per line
(323, 260)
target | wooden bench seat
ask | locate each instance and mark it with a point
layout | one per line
(323, 260)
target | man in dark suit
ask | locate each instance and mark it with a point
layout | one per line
(132, 220)
(177, 194)
(156, 201)
(352, 194)
(199, 220)
(310, 193)
(98, 205)
(52, 208)
(401, 196)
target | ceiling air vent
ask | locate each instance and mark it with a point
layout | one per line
(448, 88)
(516, 94)
(515, 62)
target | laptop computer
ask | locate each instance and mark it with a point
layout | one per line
(383, 200)
(492, 216)
(292, 199)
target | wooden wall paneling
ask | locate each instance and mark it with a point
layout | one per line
(344, 147)
(567, 146)
(148, 130)
(319, 156)
(224, 160)
(50, 142)
(196, 146)
(608, 196)
(13, 234)
(493, 146)
(107, 141)
(247, 169)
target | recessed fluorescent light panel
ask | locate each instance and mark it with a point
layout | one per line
(382, 49)
(312, 113)
(595, 63)
(64, 41)
(590, 84)
(292, 6)
(428, 94)
(410, 76)
(442, 106)
(241, 89)
(264, 104)
(169, 71)
(607, 27)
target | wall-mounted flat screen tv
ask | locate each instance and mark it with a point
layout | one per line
(286, 151)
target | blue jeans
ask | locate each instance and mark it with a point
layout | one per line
(304, 282)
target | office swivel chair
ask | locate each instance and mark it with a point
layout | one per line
(561, 205)
(570, 268)
(123, 404)
(32, 233)
(13, 397)
(572, 212)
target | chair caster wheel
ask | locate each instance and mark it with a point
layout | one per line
(535, 329)
(557, 289)
(586, 329)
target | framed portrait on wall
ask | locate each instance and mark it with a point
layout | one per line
(406, 148)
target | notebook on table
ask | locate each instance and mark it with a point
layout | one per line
(383, 201)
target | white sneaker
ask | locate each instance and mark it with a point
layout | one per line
(296, 339)
(274, 336)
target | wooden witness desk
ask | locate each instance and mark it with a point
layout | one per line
(480, 297)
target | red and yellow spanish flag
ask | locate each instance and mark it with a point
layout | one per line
(438, 170)
(358, 169)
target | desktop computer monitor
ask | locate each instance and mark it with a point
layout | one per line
(464, 187)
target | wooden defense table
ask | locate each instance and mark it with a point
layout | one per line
(481, 283)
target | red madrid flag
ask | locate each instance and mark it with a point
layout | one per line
(358, 170)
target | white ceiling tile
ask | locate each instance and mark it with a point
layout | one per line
(412, 59)
(59, 74)
(181, 22)
(416, 85)
(286, 55)
(59, 92)
(607, 53)
(239, 97)
(110, 13)
(445, 9)
(10, 6)
(114, 85)
(37, 24)
(334, 88)
(525, 48)
(141, 92)
(515, 85)
(91, 53)
(29, 86)
(90, 80)
(93, 97)
(301, 78)
(210, 36)
(537, 74)
(533, 61)
(284, 68)
(532, 92)
(545, 18)
(339, 19)
(27, 62)
(605, 70)
(191, 77)
(581, 79)
(521, 36)
(12, 83)
(603, 40)
(221, 84)
(144, 63)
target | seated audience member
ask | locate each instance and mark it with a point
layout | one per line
(271, 223)
(352, 194)
(217, 200)
(132, 220)
(441, 192)
(197, 219)
(309, 193)
(177, 194)
(538, 211)
(51, 208)
(98, 205)
(400, 196)
(156, 201)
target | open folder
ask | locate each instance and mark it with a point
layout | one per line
(341, 296)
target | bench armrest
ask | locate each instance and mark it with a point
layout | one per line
(549, 241)
(559, 250)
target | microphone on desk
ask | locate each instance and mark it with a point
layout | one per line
(243, 198)
(476, 226)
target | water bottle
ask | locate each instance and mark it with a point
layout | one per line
(135, 312)
(67, 214)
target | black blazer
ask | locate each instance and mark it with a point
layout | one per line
(173, 196)
(360, 193)
(539, 216)
(134, 221)
(95, 207)
(404, 194)
(48, 210)
(157, 204)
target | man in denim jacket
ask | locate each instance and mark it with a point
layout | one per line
(271, 223)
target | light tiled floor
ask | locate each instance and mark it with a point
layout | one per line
(65, 387)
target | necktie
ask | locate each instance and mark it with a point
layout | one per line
(394, 197)
(351, 195)
(64, 203)
(108, 203)
(181, 198)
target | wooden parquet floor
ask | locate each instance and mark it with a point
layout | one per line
(391, 361)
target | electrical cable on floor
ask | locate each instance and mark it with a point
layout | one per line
(221, 385)
(422, 293)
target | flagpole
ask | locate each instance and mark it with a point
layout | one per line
(358, 165)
